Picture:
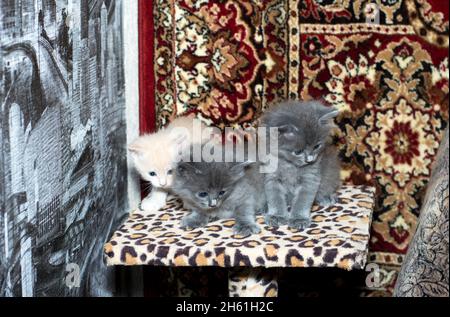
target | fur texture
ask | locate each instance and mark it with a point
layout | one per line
(214, 190)
(154, 157)
(308, 166)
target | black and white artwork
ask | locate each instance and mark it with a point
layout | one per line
(63, 169)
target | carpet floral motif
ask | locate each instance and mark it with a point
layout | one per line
(383, 64)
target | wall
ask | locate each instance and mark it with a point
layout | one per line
(63, 166)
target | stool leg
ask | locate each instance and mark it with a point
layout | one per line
(252, 282)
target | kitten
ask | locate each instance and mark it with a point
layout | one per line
(308, 165)
(217, 190)
(154, 157)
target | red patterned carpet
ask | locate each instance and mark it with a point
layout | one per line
(383, 63)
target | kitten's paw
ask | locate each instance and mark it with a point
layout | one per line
(150, 205)
(299, 223)
(275, 220)
(192, 221)
(153, 202)
(246, 229)
(327, 200)
(260, 212)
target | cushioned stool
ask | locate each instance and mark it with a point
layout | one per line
(338, 237)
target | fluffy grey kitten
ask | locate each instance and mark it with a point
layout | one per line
(214, 190)
(308, 165)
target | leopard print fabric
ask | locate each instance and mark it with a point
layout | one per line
(338, 237)
(252, 282)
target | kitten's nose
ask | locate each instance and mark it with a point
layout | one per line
(163, 182)
(213, 203)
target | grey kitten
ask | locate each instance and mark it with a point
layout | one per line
(308, 166)
(215, 190)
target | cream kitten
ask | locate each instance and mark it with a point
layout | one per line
(154, 157)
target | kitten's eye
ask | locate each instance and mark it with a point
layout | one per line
(169, 172)
(317, 146)
(298, 152)
(202, 194)
(221, 193)
(152, 173)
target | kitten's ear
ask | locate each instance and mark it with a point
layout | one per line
(327, 117)
(136, 148)
(288, 131)
(184, 168)
(238, 169)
